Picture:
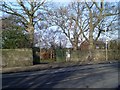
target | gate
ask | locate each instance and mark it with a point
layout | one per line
(60, 55)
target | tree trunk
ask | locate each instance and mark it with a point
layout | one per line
(36, 58)
(75, 42)
(75, 46)
(91, 47)
(91, 41)
(30, 30)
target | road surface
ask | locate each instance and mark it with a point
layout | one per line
(88, 76)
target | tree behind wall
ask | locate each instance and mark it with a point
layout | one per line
(97, 19)
(30, 13)
(27, 11)
(68, 19)
(13, 35)
(84, 19)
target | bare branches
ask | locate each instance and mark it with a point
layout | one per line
(7, 9)
(38, 5)
(23, 6)
(27, 14)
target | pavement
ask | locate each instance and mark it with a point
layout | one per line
(86, 76)
(41, 66)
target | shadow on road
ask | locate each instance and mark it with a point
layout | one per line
(54, 79)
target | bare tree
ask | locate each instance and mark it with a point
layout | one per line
(67, 18)
(84, 19)
(97, 14)
(29, 11)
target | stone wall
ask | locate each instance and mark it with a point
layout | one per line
(17, 57)
(98, 55)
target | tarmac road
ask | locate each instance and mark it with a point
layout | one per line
(88, 76)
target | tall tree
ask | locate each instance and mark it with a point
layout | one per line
(27, 11)
(97, 14)
(84, 19)
(67, 18)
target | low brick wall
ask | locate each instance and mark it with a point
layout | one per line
(16, 57)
